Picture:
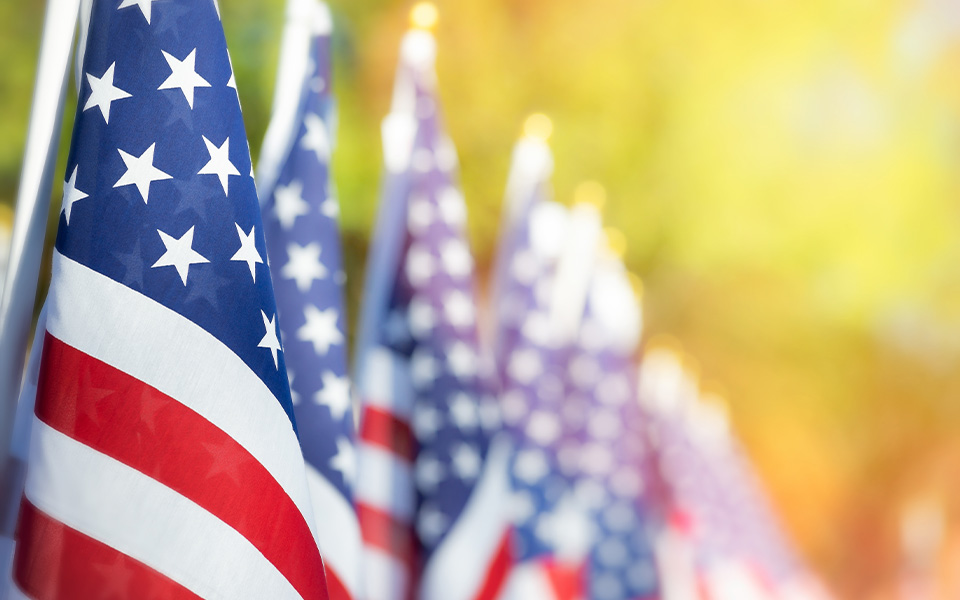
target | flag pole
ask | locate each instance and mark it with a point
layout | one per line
(29, 227)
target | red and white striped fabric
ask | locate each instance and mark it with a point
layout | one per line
(182, 492)
(432, 488)
(385, 494)
(164, 460)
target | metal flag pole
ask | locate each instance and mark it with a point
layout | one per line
(29, 227)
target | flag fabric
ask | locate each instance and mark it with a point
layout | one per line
(431, 489)
(714, 499)
(19, 450)
(613, 457)
(553, 528)
(303, 244)
(164, 459)
(528, 191)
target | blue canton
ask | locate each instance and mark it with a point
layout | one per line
(159, 194)
(303, 243)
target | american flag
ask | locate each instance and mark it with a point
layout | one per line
(553, 529)
(614, 456)
(303, 243)
(715, 500)
(164, 458)
(432, 491)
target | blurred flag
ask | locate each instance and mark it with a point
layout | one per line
(431, 492)
(613, 462)
(528, 191)
(715, 502)
(553, 528)
(164, 458)
(303, 243)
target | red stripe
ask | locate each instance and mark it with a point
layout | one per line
(335, 587)
(126, 419)
(498, 569)
(381, 428)
(54, 561)
(382, 531)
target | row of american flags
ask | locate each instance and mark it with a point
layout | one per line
(189, 425)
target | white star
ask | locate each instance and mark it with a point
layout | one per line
(466, 462)
(422, 160)
(420, 214)
(613, 390)
(462, 360)
(537, 328)
(525, 267)
(335, 394)
(596, 459)
(604, 424)
(525, 365)
(456, 258)
(429, 473)
(145, 7)
(522, 506)
(345, 460)
(248, 251)
(421, 317)
(303, 265)
(232, 82)
(320, 329)
(626, 483)
(426, 422)
(140, 172)
(420, 265)
(179, 254)
(289, 203)
(459, 309)
(567, 528)
(463, 411)
(270, 340)
(183, 75)
(431, 524)
(71, 194)
(423, 368)
(452, 207)
(294, 396)
(530, 466)
(330, 207)
(103, 92)
(219, 163)
(316, 138)
(584, 371)
(544, 427)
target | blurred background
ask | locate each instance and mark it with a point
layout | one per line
(786, 173)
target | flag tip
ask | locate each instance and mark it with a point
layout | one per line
(424, 15)
(538, 126)
(591, 193)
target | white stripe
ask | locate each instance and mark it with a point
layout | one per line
(386, 383)
(15, 593)
(7, 586)
(338, 531)
(528, 581)
(154, 344)
(142, 518)
(384, 576)
(458, 567)
(385, 481)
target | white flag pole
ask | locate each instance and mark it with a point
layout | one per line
(29, 227)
